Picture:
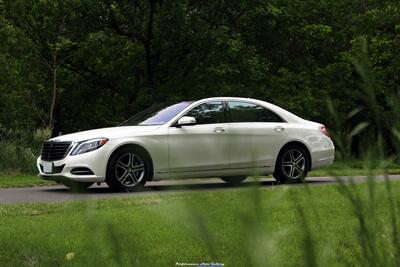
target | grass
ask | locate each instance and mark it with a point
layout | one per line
(354, 168)
(8, 181)
(239, 227)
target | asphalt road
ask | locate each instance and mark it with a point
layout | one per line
(60, 193)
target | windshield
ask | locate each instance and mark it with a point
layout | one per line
(157, 114)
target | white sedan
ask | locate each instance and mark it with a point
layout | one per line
(225, 137)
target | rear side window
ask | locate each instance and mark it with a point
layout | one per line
(208, 113)
(248, 112)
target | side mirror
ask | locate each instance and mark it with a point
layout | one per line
(186, 120)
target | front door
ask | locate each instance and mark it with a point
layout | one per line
(203, 146)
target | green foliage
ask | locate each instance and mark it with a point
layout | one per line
(15, 158)
(114, 58)
(19, 150)
(40, 136)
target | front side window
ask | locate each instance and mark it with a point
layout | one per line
(208, 113)
(248, 112)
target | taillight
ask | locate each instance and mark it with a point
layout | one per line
(324, 130)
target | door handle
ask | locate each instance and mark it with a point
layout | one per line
(279, 129)
(219, 130)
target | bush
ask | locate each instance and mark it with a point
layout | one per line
(19, 150)
(15, 158)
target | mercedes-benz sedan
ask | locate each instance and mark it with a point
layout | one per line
(225, 137)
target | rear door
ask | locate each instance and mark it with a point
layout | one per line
(203, 146)
(257, 134)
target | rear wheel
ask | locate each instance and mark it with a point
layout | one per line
(77, 186)
(233, 180)
(128, 170)
(291, 165)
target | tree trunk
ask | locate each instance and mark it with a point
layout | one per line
(54, 93)
(148, 45)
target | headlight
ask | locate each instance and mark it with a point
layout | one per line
(89, 145)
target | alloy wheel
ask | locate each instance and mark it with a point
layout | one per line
(129, 169)
(294, 164)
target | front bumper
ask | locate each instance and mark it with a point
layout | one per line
(95, 161)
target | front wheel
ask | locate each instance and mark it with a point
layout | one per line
(128, 169)
(233, 180)
(291, 165)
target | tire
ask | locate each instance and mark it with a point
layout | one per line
(77, 186)
(233, 180)
(291, 165)
(128, 169)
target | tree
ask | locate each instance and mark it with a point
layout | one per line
(44, 24)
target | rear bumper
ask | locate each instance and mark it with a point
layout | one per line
(322, 158)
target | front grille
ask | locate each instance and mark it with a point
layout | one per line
(55, 150)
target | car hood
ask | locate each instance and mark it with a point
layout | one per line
(112, 132)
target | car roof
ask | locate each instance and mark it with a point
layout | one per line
(227, 98)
